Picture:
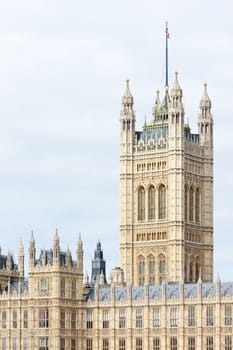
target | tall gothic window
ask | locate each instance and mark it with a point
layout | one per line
(191, 204)
(228, 315)
(197, 269)
(228, 342)
(162, 264)
(197, 206)
(191, 316)
(151, 203)
(185, 203)
(151, 270)
(191, 270)
(141, 271)
(162, 202)
(141, 204)
(209, 316)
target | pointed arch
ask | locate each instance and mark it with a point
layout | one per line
(162, 263)
(197, 206)
(162, 201)
(141, 270)
(191, 204)
(141, 203)
(151, 269)
(197, 268)
(191, 269)
(151, 203)
(185, 202)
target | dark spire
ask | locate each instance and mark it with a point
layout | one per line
(98, 265)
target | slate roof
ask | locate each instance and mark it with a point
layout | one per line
(155, 291)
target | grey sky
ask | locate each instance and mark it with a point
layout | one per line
(62, 71)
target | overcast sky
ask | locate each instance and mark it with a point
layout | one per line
(62, 70)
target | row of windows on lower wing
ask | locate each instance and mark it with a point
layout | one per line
(43, 344)
(69, 319)
(122, 343)
(156, 343)
(156, 317)
(43, 320)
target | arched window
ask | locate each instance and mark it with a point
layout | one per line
(162, 264)
(141, 204)
(191, 204)
(186, 269)
(151, 270)
(191, 270)
(63, 288)
(197, 269)
(151, 203)
(141, 271)
(162, 202)
(185, 203)
(197, 206)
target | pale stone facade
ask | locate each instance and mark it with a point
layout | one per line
(162, 297)
(166, 192)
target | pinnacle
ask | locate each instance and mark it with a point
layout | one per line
(127, 90)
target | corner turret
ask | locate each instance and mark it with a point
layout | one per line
(56, 249)
(32, 252)
(205, 120)
(79, 255)
(21, 260)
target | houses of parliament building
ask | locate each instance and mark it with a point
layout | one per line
(162, 297)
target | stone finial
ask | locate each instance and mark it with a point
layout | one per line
(205, 100)
(127, 99)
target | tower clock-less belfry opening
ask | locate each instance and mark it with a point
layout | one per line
(166, 182)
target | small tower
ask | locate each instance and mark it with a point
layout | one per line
(176, 130)
(32, 252)
(56, 249)
(157, 104)
(98, 266)
(21, 260)
(205, 120)
(9, 263)
(79, 255)
(127, 120)
(68, 258)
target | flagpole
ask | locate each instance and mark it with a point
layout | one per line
(167, 35)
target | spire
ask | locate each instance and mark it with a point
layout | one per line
(32, 240)
(32, 251)
(165, 103)
(80, 242)
(98, 265)
(79, 254)
(205, 100)
(176, 89)
(56, 238)
(21, 259)
(21, 248)
(68, 257)
(127, 99)
(176, 93)
(56, 249)
(157, 103)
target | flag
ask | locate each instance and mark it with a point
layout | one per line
(167, 33)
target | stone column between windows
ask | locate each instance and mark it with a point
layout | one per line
(198, 316)
(217, 318)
